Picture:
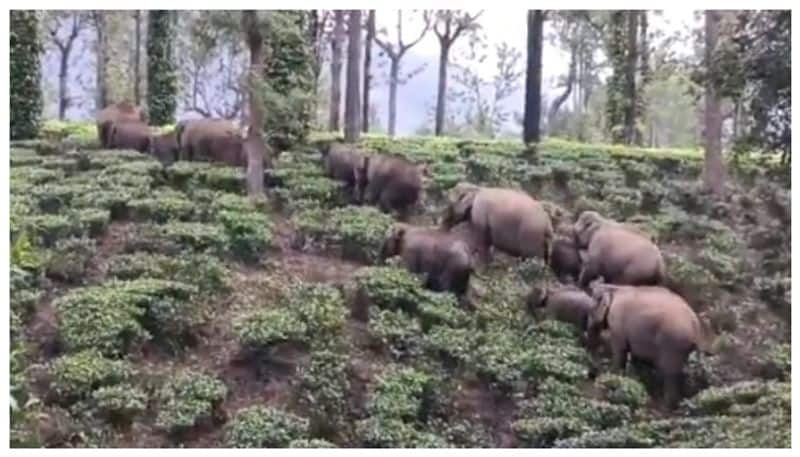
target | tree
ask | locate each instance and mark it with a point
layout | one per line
(137, 47)
(352, 108)
(254, 144)
(365, 116)
(615, 100)
(74, 22)
(25, 77)
(533, 78)
(631, 66)
(395, 52)
(448, 26)
(337, 45)
(714, 168)
(102, 58)
(645, 73)
(162, 85)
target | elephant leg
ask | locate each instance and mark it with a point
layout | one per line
(672, 389)
(589, 271)
(619, 354)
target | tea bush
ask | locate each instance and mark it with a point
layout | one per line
(189, 399)
(77, 376)
(323, 389)
(622, 390)
(260, 427)
(204, 271)
(70, 259)
(396, 331)
(120, 403)
(358, 231)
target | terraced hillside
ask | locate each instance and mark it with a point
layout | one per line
(158, 306)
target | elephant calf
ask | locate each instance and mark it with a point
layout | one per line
(164, 147)
(565, 258)
(567, 304)
(130, 135)
(651, 323)
(506, 219)
(341, 163)
(391, 181)
(441, 257)
(616, 252)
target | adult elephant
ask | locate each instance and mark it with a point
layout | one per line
(130, 135)
(616, 252)
(211, 140)
(653, 324)
(121, 112)
(506, 219)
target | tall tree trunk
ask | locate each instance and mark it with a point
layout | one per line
(714, 168)
(337, 43)
(63, 75)
(352, 103)
(573, 60)
(616, 95)
(254, 145)
(644, 71)
(630, 77)
(533, 78)
(101, 54)
(441, 91)
(367, 69)
(137, 47)
(394, 75)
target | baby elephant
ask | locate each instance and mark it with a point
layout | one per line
(441, 257)
(652, 323)
(616, 252)
(341, 163)
(391, 181)
(567, 304)
(565, 258)
(164, 147)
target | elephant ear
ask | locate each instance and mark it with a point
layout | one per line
(394, 241)
(462, 208)
(598, 318)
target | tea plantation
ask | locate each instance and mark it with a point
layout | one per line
(161, 307)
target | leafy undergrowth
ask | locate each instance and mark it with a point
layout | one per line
(156, 306)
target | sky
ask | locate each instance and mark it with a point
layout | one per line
(417, 96)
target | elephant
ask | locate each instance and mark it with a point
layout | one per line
(130, 135)
(616, 252)
(566, 303)
(391, 181)
(164, 147)
(652, 324)
(341, 163)
(117, 112)
(506, 219)
(442, 257)
(565, 257)
(211, 140)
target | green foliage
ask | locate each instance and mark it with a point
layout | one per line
(70, 259)
(543, 431)
(113, 317)
(205, 272)
(311, 444)
(778, 362)
(47, 229)
(177, 236)
(162, 208)
(327, 192)
(77, 376)
(389, 287)
(249, 233)
(323, 389)
(260, 427)
(359, 231)
(381, 432)
(397, 331)
(722, 400)
(622, 390)
(558, 399)
(120, 403)
(162, 76)
(402, 393)
(25, 78)
(189, 399)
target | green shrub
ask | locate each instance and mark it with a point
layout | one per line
(543, 431)
(222, 178)
(76, 376)
(436, 308)
(19, 157)
(174, 237)
(327, 192)
(397, 331)
(558, 399)
(205, 272)
(93, 222)
(25, 77)
(622, 390)
(48, 228)
(189, 399)
(778, 362)
(120, 403)
(260, 427)
(402, 393)
(266, 328)
(314, 443)
(720, 400)
(162, 208)
(389, 287)
(324, 390)
(382, 432)
(70, 259)
(249, 234)
(359, 231)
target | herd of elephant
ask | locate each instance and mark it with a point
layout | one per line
(124, 126)
(613, 275)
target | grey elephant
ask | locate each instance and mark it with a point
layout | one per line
(616, 252)
(130, 135)
(505, 219)
(566, 303)
(651, 323)
(211, 140)
(565, 257)
(341, 163)
(390, 181)
(164, 147)
(113, 113)
(441, 257)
